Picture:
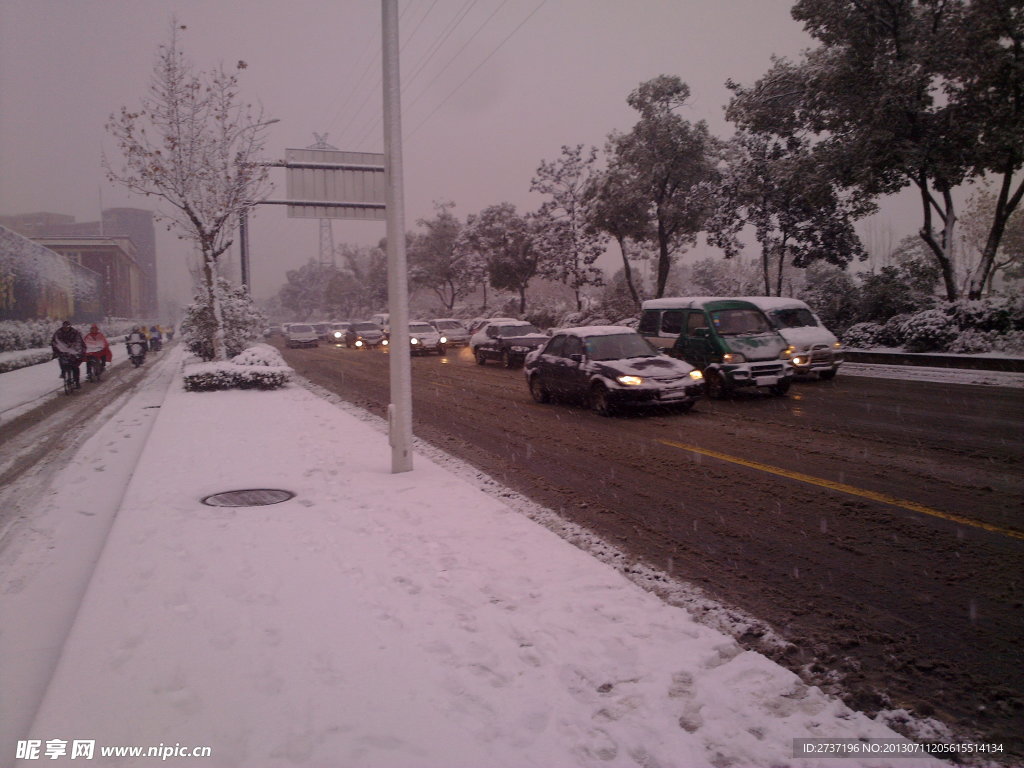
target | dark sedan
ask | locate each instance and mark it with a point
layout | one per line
(609, 367)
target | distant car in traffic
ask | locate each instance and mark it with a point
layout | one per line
(424, 338)
(610, 367)
(338, 331)
(301, 335)
(365, 334)
(453, 330)
(505, 339)
(323, 330)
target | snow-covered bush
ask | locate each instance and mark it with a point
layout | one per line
(1011, 343)
(862, 335)
(929, 331)
(971, 342)
(12, 361)
(260, 354)
(26, 334)
(994, 313)
(892, 334)
(242, 323)
(258, 367)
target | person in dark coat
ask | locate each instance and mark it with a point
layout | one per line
(69, 348)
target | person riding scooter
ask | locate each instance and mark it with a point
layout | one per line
(97, 353)
(136, 344)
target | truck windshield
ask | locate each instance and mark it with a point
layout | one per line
(793, 318)
(738, 322)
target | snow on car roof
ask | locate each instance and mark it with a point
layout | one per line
(774, 302)
(677, 302)
(596, 330)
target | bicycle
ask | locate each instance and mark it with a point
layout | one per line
(94, 369)
(67, 374)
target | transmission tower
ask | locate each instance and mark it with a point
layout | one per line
(326, 232)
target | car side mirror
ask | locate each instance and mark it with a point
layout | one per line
(576, 358)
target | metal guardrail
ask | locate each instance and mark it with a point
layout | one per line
(1007, 364)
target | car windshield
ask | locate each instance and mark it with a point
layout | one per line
(739, 322)
(619, 346)
(448, 324)
(516, 330)
(794, 318)
(301, 329)
(421, 328)
(365, 327)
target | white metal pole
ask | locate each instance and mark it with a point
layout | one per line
(400, 408)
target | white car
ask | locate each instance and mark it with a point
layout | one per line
(301, 335)
(813, 347)
(453, 330)
(424, 338)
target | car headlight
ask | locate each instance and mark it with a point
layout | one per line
(733, 357)
(414, 341)
(837, 345)
(338, 334)
(630, 381)
(443, 340)
(788, 351)
(384, 342)
(359, 342)
(799, 360)
(696, 375)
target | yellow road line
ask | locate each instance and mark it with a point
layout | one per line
(843, 488)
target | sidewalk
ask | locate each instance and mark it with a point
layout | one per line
(379, 620)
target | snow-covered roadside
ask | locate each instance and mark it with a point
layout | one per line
(378, 619)
(47, 559)
(23, 389)
(938, 375)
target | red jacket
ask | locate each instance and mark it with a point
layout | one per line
(96, 345)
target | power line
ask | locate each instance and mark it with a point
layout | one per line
(476, 69)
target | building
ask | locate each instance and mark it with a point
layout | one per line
(117, 224)
(37, 283)
(113, 259)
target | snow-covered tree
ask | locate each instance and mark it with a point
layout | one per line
(240, 324)
(195, 145)
(507, 242)
(436, 260)
(570, 244)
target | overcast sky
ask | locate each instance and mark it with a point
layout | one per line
(484, 100)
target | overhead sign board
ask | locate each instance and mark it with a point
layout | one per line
(331, 184)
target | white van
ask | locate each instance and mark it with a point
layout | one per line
(815, 349)
(729, 340)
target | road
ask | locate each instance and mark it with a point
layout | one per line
(874, 524)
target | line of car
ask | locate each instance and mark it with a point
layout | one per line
(682, 349)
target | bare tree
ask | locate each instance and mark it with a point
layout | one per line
(194, 145)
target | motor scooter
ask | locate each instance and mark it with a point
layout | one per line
(137, 352)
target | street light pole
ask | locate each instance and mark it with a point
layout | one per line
(400, 408)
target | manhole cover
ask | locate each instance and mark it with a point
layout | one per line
(253, 497)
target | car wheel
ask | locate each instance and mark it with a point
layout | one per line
(506, 359)
(538, 391)
(440, 349)
(599, 401)
(781, 388)
(717, 388)
(828, 375)
(479, 355)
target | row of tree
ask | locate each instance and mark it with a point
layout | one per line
(926, 94)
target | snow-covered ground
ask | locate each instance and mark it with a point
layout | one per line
(23, 389)
(375, 619)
